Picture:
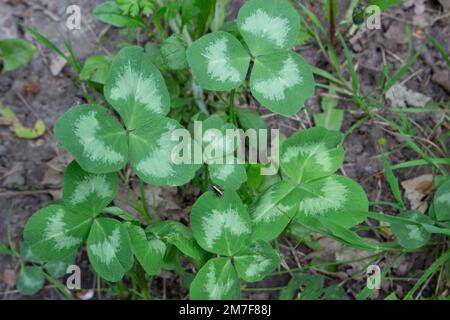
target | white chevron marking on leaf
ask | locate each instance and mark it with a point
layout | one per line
(86, 129)
(444, 198)
(158, 162)
(217, 222)
(260, 24)
(215, 289)
(266, 211)
(56, 230)
(333, 196)
(255, 268)
(105, 251)
(288, 77)
(219, 65)
(94, 184)
(414, 232)
(30, 282)
(223, 172)
(133, 84)
(318, 151)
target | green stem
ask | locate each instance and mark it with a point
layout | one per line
(144, 203)
(232, 113)
(205, 181)
(332, 21)
(137, 274)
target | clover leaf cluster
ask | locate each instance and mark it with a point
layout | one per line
(280, 79)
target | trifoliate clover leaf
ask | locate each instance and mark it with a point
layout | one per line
(56, 231)
(100, 144)
(309, 188)
(280, 79)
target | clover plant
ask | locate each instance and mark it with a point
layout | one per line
(228, 238)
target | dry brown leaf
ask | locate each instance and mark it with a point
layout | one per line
(9, 278)
(417, 190)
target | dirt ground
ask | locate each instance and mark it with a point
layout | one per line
(31, 170)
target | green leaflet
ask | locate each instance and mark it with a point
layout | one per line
(255, 262)
(215, 141)
(218, 150)
(218, 61)
(441, 202)
(96, 69)
(58, 269)
(86, 192)
(273, 210)
(27, 255)
(216, 280)
(151, 154)
(412, 236)
(173, 53)
(149, 253)
(177, 234)
(122, 214)
(311, 154)
(282, 82)
(334, 198)
(268, 26)
(15, 53)
(54, 232)
(220, 225)
(136, 88)
(95, 139)
(108, 248)
(30, 280)
(109, 12)
(250, 119)
(228, 176)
